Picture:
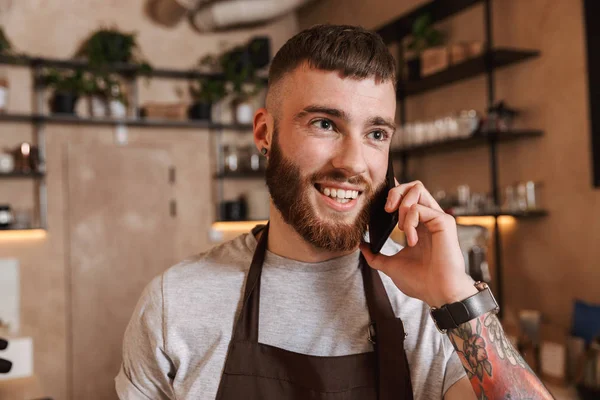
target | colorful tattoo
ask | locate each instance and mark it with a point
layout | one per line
(496, 370)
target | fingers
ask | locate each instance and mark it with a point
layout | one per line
(402, 197)
(376, 261)
(435, 221)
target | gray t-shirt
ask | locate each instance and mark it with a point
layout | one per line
(176, 341)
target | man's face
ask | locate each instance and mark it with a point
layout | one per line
(329, 154)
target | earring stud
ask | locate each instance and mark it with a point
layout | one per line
(263, 151)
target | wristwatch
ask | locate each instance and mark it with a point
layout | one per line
(450, 316)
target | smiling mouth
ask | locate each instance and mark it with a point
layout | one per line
(340, 195)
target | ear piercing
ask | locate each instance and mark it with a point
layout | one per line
(263, 151)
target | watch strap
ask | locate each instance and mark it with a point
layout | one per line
(450, 316)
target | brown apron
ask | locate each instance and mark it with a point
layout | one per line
(256, 371)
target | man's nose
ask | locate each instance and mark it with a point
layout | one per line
(350, 157)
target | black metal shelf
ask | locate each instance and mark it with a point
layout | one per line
(439, 10)
(120, 68)
(22, 175)
(150, 123)
(471, 68)
(516, 214)
(241, 175)
(477, 140)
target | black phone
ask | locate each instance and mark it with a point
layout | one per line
(382, 223)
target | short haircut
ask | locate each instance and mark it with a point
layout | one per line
(351, 50)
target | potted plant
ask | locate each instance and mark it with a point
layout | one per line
(109, 46)
(67, 86)
(117, 98)
(424, 36)
(95, 89)
(205, 92)
(240, 72)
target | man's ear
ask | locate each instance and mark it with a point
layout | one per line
(263, 130)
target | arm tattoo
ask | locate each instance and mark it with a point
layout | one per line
(496, 370)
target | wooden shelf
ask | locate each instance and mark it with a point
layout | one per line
(241, 175)
(457, 144)
(471, 68)
(22, 175)
(150, 123)
(122, 69)
(395, 30)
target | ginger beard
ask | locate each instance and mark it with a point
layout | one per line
(290, 193)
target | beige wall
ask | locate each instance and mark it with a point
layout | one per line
(54, 29)
(548, 262)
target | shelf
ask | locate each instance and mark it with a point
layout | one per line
(241, 175)
(517, 214)
(22, 175)
(395, 30)
(123, 69)
(477, 140)
(471, 68)
(150, 123)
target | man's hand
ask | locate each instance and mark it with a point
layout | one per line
(432, 267)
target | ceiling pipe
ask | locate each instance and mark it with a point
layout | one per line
(222, 15)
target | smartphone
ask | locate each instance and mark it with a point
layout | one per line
(382, 223)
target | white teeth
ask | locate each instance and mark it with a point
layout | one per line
(342, 195)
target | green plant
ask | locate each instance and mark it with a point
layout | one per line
(238, 71)
(209, 91)
(5, 45)
(108, 46)
(106, 86)
(424, 35)
(66, 81)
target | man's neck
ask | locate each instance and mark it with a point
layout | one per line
(286, 242)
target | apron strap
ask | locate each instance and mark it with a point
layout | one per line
(393, 372)
(247, 326)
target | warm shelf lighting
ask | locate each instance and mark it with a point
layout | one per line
(22, 234)
(236, 226)
(503, 221)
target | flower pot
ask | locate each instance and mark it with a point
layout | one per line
(63, 103)
(244, 113)
(3, 95)
(97, 106)
(117, 109)
(200, 111)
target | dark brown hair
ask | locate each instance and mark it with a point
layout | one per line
(352, 50)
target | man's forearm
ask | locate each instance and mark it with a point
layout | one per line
(494, 367)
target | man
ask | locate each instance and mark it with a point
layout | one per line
(296, 309)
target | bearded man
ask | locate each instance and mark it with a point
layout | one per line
(300, 308)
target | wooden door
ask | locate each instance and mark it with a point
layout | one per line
(121, 235)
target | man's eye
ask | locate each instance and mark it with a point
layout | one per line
(323, 124)
(379, 136)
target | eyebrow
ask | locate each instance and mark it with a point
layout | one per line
(337, 113)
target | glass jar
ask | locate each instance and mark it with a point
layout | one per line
(231, 159)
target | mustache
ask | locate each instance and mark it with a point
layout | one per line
(341, 177)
